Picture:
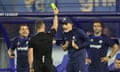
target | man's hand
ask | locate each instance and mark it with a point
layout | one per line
(74, 45)
(65, 46)
(12, 55)
(105, 59)
(88, 60)
(56, 11)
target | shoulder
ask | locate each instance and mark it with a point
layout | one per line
(116, 41)
(78, 30)
(91, 35)
(52, 30)
(33, 37)
(15, 38)
(105, 36)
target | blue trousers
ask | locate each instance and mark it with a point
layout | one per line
(22, 66)
(98, 67)
(22, 69)
(76, 64)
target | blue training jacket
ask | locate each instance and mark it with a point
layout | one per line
(80, 38)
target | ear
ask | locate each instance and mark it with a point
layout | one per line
(19, 31)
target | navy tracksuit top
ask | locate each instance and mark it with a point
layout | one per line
(81, 39)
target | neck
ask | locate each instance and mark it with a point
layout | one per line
(23, 37)
(41, 30)
(97, 33)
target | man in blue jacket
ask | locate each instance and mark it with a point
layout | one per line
(97, 52)
(75, 41)
(20, 44)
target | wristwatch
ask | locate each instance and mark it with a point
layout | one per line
(109, 57)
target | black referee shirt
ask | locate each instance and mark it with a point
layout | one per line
(42, 44)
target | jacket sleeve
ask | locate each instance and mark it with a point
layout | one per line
(84, 39)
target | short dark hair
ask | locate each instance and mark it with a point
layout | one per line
(98, 21)
(23, 25)
(38, 24)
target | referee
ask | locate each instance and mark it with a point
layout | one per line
(40, 46)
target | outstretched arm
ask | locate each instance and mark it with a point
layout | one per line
(55, 21)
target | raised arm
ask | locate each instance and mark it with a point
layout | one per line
(55, 21)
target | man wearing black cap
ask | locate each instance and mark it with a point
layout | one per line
(75, 41)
